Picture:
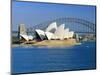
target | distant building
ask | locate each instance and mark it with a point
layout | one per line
(54, 32)
(22, 33)
(22, 29)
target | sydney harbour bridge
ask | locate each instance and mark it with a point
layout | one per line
(75, 24)
(79, 26)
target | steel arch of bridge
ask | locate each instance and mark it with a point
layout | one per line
(85, 23)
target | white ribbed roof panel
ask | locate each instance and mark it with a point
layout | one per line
(54, 37)
(67, 30)
(49, 35)
(51, 26)
(25, 37)
(41, 33)
(66, 33)
(71, 34)
(60, 32)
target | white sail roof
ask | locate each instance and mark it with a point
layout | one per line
(67, 30)
(51, 27)
(60, 32)
(26, 37)
(49, 35)
(54, 37)
(71, 34)
(66, 33)
(41, 33)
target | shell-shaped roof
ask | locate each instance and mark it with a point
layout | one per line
(60, 31)
(51, 27)
(49, 35)
(41, 33)
(25, 37)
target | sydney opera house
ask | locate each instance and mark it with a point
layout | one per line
(52, 32)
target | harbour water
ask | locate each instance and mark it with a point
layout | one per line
(48, 59)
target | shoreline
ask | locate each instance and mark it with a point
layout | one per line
(50, 43)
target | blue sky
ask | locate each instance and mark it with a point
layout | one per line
(32, 13)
